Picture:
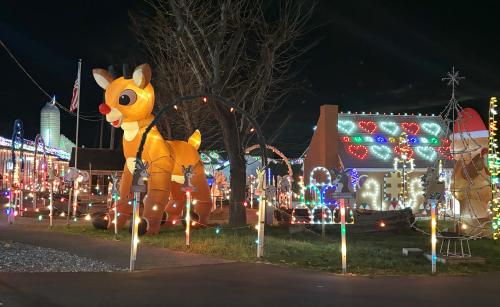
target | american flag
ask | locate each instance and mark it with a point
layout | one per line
(74, 99)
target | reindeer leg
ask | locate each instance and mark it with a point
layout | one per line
(202, 196)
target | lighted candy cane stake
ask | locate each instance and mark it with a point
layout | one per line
(51, 197)
(138, 186)
(114, 197)
(343, 236)
(261, 190)
(188, 188)
(433, 234)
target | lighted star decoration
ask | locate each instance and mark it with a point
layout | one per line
(453, 79)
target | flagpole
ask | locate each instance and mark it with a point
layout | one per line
(78, 110)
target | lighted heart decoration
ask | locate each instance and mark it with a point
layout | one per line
(369, 126)
(431, 128)
(358, 151)
(346, 126)
(425, 152)
(381, 151)
(389, 127)
(410, 128)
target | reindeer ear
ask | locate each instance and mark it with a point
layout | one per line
(102, 77)
(142, 75)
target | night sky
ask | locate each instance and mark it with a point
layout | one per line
(386, 56)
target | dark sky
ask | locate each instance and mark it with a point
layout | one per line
(385, 56)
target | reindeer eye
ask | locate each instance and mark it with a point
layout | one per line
(127, 97)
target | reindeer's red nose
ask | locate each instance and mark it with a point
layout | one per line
(104, 109)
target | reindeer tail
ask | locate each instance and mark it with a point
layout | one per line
(195, 139)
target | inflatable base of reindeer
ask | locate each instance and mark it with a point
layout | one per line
(129, 105)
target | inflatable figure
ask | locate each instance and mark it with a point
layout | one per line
(471, 180)
(129, 105)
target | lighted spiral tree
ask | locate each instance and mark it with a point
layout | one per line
(494, 168)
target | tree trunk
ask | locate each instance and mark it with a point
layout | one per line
(237, 211)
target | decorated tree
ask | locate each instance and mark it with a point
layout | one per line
(242, 50)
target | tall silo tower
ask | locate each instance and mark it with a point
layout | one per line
(50, 124)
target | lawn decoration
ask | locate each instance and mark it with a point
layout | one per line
(189, 189)
(494, 169)
(16, 171)
(403, 164)
(39, 170)
(261, 191)
(329, 201)
(470, 181)
(220, 188)
(129, 103)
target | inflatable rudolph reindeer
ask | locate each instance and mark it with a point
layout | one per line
(129, 103)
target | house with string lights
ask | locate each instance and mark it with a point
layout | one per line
(391, 152)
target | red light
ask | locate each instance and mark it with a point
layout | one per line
(369, 126)
(204, 99)
(410, 128)
(404, 149)
(174, 222)
(358, 151)
(345, 139)
(382, 224)
(245, 204)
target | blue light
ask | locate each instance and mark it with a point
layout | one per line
(412, 139)
(380, 139)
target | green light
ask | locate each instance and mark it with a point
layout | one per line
(357, 139)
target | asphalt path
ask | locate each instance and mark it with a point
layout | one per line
(167, 278)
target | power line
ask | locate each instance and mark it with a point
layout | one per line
(84, 117)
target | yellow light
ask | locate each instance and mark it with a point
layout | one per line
(87, 217)
(155, 207)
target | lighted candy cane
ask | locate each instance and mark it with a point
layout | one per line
(38, 141)
(416, 190)
(372, 192)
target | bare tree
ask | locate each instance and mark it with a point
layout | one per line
(242, 50)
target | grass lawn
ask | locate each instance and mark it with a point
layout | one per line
(367, 254)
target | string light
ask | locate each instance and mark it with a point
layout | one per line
(431, 128)
(494, 168)
(410, 128)
(358, 151)
(372, 192)
(320, 169)
(382, 152)
(389, 127)
(368, 126)
(346, 126)
(426, 152)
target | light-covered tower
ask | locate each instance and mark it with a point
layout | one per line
(50, 124)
